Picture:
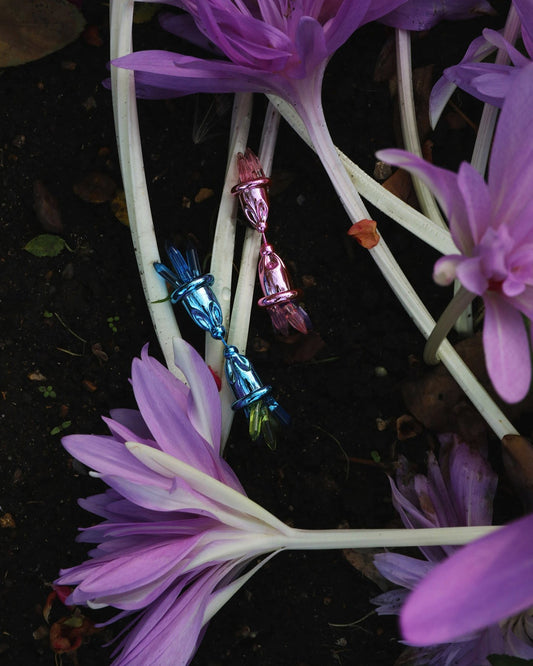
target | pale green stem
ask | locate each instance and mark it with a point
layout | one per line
(242, 303)
(224, 242)
(378, 538)
(376, 194)
(400, 284)
(343, 539)
(480, 156)
(457, 305)
(464, 324)
(409, 124)
(135, 188)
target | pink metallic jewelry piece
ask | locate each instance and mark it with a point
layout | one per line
(252, 190)
(280, 298)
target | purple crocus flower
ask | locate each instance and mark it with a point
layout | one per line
(424, 14)
(480, 585)
(458, 490)
(272, 46)
(489, 82)
(178, 529)
(491, 225)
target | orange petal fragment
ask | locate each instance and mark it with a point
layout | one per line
(365, 233)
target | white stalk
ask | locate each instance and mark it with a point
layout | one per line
(224, 248)
(409, 125)
(375, 193)
(464, 322)
(135, 188)
(378, 538)
(401, 285)
(224, 241)
(462, 299)
(242, 303)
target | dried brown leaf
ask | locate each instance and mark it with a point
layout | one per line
(363, 560)
(518, 461)
(29, 30)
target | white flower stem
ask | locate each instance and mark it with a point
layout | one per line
(240, 312)
(224, 242)
(464, 321)
(400, 284)
(388, 203)
(224, 248)
(409, 124)
(456, 307)
(377, 538)
(135, 188)
(480, 155)
(242, 303)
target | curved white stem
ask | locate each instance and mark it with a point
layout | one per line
(135, 189)
(403, 288)
(409, 124)
(376, 194)
(462, 299)
(224, 241)
(242, 303)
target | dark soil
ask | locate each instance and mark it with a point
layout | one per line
(56, 126)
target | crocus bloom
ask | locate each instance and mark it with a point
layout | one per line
(490, 223)
(273, 46)
(456, 491)
(487, 81)
(424, 14)
(178, 528)
(480, 585)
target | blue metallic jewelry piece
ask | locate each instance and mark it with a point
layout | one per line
(262, 410)
(194, 290)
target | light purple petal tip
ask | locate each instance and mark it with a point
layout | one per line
(483, 583)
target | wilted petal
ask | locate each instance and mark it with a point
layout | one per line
(483, 583)
(401, 569)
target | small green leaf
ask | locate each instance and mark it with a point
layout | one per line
(56, 430)
(66, 424)
(505, 660)
(162, 300)
(375, 456)
(47, 315)
(45, 245)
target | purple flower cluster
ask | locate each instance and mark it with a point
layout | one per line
(178, 529)
(490, 223)
(489, 82)
(458, 490)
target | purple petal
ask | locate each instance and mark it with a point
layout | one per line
(511, 162)
(401, 569)
(423, 14)
(486, 81)
(203, 404)
(473, 485)
(133, 580)
(170, 629)
(163, 402)
(478, 50)
(483, 583)
(132, 420)
(506, 346)
(107, 456)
